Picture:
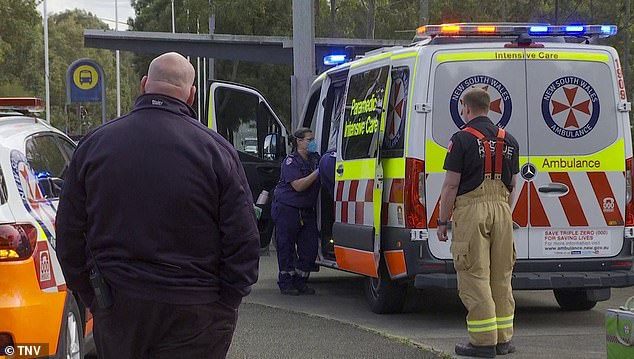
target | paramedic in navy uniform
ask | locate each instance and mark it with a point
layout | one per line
(293, 212)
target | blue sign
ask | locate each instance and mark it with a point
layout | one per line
(85, 82)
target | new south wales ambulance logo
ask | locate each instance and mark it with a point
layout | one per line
(570, 107)
(397, 108)
(500, 107)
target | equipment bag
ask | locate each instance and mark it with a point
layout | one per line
(619, 324)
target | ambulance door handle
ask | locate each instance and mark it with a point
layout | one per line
(340, 170)
(554, 188)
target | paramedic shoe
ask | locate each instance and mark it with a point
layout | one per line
(290, 291)
(306, 290)
(505, 348)
(475, 351)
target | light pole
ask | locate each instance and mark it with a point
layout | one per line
(46, 71)
(116, 28)
(173, 22)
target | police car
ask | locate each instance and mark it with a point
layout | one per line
(390, 114)
(39, 316)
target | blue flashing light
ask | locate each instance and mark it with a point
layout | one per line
(608, 29)
(333, 60)
(538, 29)
(575, 29)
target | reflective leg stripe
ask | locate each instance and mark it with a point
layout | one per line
(485, 325)
(282, 272)
(301, 273)
(505, 322)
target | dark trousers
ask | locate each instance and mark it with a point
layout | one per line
(137, 329)
(296, 244)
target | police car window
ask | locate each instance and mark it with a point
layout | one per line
(45, 157)
(393, 140)
(3, 189)
(236, 113)
(67, 147)
(364, 100)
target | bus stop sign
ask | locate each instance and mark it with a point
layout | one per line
(85, 82)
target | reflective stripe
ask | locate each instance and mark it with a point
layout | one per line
(356, 169)
(560, 55)
(210, 112)
(504, 319)
(371, 59)
(301, 273)
(504, 326)
(612, 158)
(405, 55)
(483, 329)
(474, 56)
(519, 55)
(287, 272)
(483, 321)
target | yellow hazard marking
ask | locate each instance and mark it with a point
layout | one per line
(405, 55)
(434, 157)
(371, 59)
(356, 169)
(210, 112)
(85, 77)
(611, 158)
(520, 55)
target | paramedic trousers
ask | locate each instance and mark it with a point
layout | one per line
(483, 251)
(296, 239)
(141, 329)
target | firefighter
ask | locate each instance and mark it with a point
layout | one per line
(482, 163)
(293, 212)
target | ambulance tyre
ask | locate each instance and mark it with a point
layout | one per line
(384, 295)
(70, 343)
(573, 299)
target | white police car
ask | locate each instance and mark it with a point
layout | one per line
(35, 305)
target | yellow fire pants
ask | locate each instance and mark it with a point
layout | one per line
(483, 251)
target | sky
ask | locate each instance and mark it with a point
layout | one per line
(103, 9)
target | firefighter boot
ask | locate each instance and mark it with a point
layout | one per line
(505, 348)
(475, 351)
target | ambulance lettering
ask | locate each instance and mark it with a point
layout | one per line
(569, 112)
(500, 106)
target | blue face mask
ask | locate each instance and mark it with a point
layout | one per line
(312, 147)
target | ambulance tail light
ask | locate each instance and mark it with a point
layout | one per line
(629, 202)
(17, 242)
(415, 214)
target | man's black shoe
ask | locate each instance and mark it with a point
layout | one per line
(306, 290)
(475, 351)
(505, 348)
(290, 291)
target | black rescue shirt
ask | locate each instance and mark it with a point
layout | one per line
(164, 206)
(465, 155)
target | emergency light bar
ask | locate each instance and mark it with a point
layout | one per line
(332, 60)
(22, 104)
(516, 30)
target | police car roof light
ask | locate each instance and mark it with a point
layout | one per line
(333, 60)
(22, 104)
(465, 29)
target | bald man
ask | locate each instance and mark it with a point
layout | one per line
(156, 231)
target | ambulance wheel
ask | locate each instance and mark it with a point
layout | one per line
(70, 343)
(384, 295)
(573, 299)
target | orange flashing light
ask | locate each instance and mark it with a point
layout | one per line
(450, 28)
(486, 28)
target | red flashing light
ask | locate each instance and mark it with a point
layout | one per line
(29, 104)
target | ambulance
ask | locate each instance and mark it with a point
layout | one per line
(389, 116)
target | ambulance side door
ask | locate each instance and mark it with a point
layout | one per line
(359, 173)
(243, 117)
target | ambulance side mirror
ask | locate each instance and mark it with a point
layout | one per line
(272, 146)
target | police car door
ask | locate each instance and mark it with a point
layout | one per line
(501, 73)
(577, 155)
(359, 175)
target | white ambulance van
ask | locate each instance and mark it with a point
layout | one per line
(389, 116)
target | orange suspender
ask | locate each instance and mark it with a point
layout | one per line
(499, 148)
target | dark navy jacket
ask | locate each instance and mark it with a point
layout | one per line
(165, 207)
(294, 167)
